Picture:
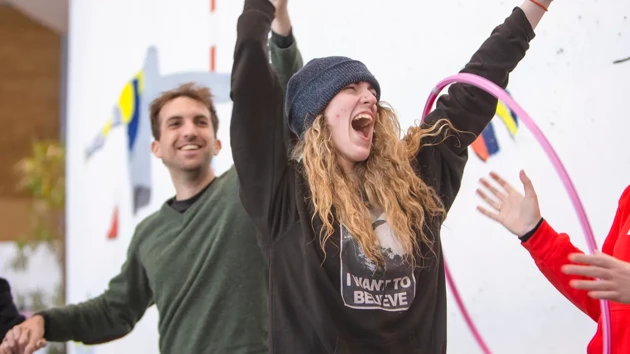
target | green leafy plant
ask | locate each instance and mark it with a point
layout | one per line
(42, 175)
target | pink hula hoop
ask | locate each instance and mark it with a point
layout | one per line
(504, 97)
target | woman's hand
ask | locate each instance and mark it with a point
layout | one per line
(518, 213)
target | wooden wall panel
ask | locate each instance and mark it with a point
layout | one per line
(30, 72)
(29, 90)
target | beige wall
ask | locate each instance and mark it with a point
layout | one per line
(29, 105)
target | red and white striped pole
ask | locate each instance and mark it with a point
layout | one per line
(213, 47)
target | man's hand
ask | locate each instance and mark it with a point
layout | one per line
(25, 338)
(280, 5)
(614, 275)
(281, 23)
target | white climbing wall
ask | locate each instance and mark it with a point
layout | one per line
(568, 83)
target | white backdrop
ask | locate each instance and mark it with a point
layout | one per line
(567, 83)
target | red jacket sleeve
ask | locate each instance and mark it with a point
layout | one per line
(550, 250)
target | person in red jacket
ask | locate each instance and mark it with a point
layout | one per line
(581, 278)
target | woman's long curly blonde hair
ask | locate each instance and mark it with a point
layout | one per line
(386, 180)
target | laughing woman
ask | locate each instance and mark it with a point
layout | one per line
(350, 225)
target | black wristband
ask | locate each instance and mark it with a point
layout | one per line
(531, 233)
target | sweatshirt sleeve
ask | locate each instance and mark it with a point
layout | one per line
(256, 130)
(286, 60)
(550, 251)
(109, 316)
(469, 108)
(9, 314)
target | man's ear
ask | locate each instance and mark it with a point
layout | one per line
(217, 147)
(155, 149)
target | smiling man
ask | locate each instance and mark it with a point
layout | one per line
(184, 124)
(196, 258)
